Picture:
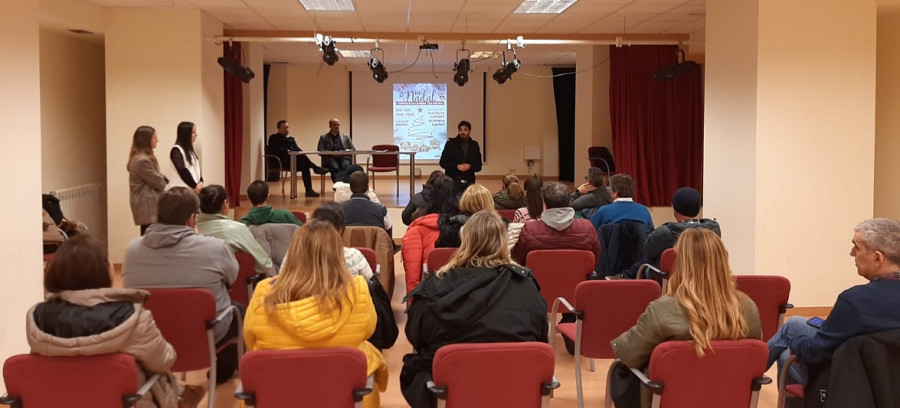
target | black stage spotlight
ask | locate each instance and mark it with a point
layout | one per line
(506, 70)
(462, 68)
(678, 69)
(235, 68)
(329, 51)
(379, 73)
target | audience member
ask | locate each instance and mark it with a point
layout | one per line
(336, 141)
(172, 255)
(185, 170)
(558, 228)
(512, 196)
(702, 305)
(534, 203)
(623, 206)
(83, 315)
(145, 182)
(314, 303)
(359, 210)
(213, 221)
(262, 212)
(588, 200)
(480, 296)
(461, 157)
(423, 232)
(686, 204)
(342, 186)
(862, 309)
(416, 206)
(332, 213)
(281, 144)
(476, 198)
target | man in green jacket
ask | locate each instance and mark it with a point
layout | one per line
(213, 221)
(262, 212)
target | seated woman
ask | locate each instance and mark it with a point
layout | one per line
(512, 197)
(84, 315)
(417, 204)
(702, 305)
(419, 239)
(315, 303)
(534, 203)
(355, 261)
(476, 198)
(480, 296)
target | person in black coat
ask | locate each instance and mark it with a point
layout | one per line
(480, 296)
(419, 202)
(461, 157)
(281, 144)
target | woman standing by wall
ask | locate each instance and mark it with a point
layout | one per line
(144, 179)
(185, 163)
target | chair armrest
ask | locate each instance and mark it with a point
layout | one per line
(277, 159)
(655, 386)
(368, 161)
(130, 399)
(555, 308)
(359, 393)
(14, 402)
(547, 388)
(782, 376)
(783, 308)
(644, 267)
(759, 382)
(439, 392)
(249, 398)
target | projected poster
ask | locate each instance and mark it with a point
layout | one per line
(420, 119)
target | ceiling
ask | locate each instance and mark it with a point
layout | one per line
(484, 24)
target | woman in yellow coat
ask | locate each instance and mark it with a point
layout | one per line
(316, 303)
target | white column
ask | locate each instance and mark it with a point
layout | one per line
(254, 127)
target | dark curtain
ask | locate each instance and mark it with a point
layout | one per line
(234, 126)
(657, 127)
(564, 95)
(266, 68)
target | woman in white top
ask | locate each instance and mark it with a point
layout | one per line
(185, 163)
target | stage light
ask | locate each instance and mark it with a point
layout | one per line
(506, 69)
(678, 69)
(329, 50)
(378, 71)
(235, 68)
(462, 66)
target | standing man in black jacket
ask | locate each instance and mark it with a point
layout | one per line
(282, 143)
(461, 157)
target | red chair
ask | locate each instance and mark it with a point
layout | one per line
(242, 289)
(437, 258)
(186, 317)
(304, 377)
(770, 293)
(559, 271)
(381, 163)
(371, 258)
(100, 381)
(604, 309)
(300, 216)
(789, 390)
(665, 271)
(728, 376)
(493, 375)
(600, 157)
(508, 215)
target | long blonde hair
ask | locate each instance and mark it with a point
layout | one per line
(476, 198)
(483, 243)
(314, 268)
(702, 284)
(513, 189)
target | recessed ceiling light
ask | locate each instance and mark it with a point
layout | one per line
(328, 5)
(485, 55)
(544, 6)
(355, 53)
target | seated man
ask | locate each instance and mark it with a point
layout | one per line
(590, 196)
(214, 222)
(262, 212)
(557, 227)
(623, 206)
(359, 210)
(172, 255)
(281, 144)
(336, 141)
(862, 309)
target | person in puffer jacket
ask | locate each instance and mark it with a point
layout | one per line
(423, 232)
(315, 303)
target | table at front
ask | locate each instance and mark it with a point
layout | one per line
(412, 164)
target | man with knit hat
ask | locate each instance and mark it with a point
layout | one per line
(686, 204)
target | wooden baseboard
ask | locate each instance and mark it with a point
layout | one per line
(822, 311)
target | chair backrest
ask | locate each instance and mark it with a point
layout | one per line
(386, 160)
(308, 378)
(439, 257)
(601, 158)
(667, 261)
(723, 378)
(559, 271)
(371, 257)
(507, 214)
(770, 293)
(300, 216)
(98, 381)
(610, 308)
(494, 374)
(182, 315)
(246, 272)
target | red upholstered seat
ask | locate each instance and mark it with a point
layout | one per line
(770, 293)
(559, 271)
(381, 163)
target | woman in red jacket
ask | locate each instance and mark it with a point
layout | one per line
(423, 232)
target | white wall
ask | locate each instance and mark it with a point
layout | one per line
(254, 128)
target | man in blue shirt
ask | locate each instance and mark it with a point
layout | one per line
(623, 207)
(862, 309)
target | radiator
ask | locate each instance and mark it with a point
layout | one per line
(81, 204)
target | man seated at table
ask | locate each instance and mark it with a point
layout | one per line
(281, 144)
(336, 141)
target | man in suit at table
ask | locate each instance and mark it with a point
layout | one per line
(281, 144)
(336, 141)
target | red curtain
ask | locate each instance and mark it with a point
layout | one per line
(234, 127)
(657, 126)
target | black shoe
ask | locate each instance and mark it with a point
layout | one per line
(311, 193)
(320, 170)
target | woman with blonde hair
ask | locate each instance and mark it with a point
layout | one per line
(512, 197)
(315, 303)
(703, 304)
(145, 182)
(476, 198)
(479, 296)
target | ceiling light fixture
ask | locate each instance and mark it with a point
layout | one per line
(462, 68)
(543, 6)
(379, 73)
(506, 69)
(328, 5)
(235, 68)
(329, 50)
(678, 69)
